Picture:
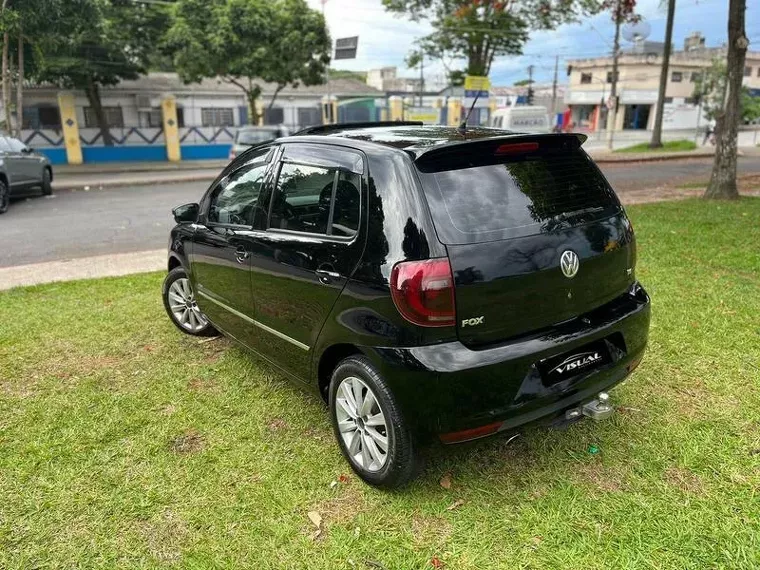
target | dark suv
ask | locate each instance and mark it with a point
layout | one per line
(424, 282)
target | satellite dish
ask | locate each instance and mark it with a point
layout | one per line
(638, 32)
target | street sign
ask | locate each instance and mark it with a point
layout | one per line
(476, 86)
(345, 48)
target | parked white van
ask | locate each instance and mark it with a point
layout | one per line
(527, 119)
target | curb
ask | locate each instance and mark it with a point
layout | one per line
(607, 159)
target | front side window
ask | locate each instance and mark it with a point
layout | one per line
(236, 199)
(316, 200)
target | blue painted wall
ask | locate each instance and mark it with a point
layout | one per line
(204, 151)
(56, 155)
(138, 153)
(123, 153)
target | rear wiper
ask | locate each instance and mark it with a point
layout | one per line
(565, 216)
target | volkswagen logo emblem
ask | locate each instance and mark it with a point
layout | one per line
(569, 263)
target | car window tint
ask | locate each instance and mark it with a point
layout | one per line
(236, 200)
(304, 201)
(345, 220)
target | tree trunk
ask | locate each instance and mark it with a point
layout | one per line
(93, 96)
(20, 86)
(656, 141)
(723, 177)
(252, 96)
(7, 84)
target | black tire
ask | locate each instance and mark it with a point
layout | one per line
(5, 198)
(204, 327)
(47, 179)
(402, 462)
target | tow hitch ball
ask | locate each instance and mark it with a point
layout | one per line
(597, 409)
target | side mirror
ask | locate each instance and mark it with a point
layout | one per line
(186, 213)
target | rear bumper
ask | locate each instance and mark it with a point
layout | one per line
(448, 387)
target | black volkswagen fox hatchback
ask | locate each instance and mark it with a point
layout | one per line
(424, 282)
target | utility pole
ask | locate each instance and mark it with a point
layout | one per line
(529, 98)
(656, 141)
(329, 114)
(422, 77)
(554, 88)
(612, 113)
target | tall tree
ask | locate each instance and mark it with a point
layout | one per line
(723, 178)
(656, 141)
(97, 43)
(248, 42)
(481, 30)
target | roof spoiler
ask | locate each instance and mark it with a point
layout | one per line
(570, 140)
(327, 129)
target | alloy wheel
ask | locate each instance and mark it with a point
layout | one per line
(183, 307)
(362, 424)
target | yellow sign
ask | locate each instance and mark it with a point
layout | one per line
(425, 117)
(476, 83)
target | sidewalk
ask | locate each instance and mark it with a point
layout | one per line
(83, 268)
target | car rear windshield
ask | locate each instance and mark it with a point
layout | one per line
(491, 198)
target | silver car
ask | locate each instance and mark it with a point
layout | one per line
(22, 170)
(249, 136)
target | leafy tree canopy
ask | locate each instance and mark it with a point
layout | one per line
(480, 30)
(247, 42)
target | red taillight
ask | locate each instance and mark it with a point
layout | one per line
(516, 148)
(423, 292)
(468, 434)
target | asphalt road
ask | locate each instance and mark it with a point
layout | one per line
(74, 224)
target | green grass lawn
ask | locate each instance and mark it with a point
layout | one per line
(124, 444)
(667, 146)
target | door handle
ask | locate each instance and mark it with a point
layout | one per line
(326, 276)
(241, 254)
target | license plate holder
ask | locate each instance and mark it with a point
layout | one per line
(570, 364)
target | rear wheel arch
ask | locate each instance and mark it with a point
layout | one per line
(329, 360)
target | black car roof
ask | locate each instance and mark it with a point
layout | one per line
(418, 139)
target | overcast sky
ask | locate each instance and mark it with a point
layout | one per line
(385, 39)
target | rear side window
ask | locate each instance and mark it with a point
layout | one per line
(494, 198)
(316, 200)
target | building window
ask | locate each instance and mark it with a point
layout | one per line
(217, 117)
(695, 76)
(180, 117)
(747, 71)
(609, 76)
(690, 100)
(668, 99)
(41, 117)
(274, 116)
(114, 117)
(676, 77)
(150, 118)
(585, 78)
